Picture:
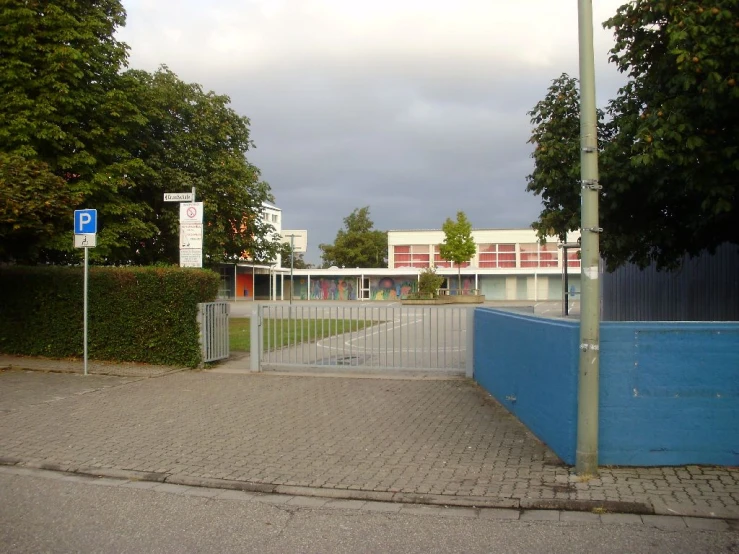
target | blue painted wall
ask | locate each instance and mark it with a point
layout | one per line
(669, 392)
(530, 366)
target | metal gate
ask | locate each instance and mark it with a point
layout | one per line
(213, 322)
(423, 338)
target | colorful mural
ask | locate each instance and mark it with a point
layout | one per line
(468, 283)
(389, 288)
(345, 288)
(328, 288)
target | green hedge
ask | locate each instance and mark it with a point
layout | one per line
(135, 314)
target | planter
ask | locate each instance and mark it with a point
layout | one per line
(442, 300)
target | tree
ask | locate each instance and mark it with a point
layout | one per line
(458, 245)
(673, 166)
(61, 110)
(116, 141)
(429, 282)
(192, 138)
(556, 140)
(298, 257)
(33, 206)
(669, 162)
(357, 244)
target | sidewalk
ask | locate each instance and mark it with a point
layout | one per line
(443, 442)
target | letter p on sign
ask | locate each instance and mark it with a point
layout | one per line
(85, 222)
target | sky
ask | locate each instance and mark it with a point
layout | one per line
(415, 108)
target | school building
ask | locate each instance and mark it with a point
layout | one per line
(509, 264)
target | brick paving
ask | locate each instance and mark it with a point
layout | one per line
(121, 369)
(412, 437)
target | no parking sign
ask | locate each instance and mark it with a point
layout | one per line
(191, 212)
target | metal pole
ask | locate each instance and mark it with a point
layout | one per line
(586, 458)
(567, 282)
(292, 256)
(84, 310)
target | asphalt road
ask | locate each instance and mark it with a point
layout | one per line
(50, 514)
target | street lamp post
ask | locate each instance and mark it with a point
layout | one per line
(586, 457)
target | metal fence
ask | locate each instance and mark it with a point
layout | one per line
(213, 322)
(435, 339)
(705, 288)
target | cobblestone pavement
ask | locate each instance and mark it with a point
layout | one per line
(445, 441)
(121, 369)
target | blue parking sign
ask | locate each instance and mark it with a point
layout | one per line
(85, 222)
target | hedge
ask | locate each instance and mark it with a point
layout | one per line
(135, 314)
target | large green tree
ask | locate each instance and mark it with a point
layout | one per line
(34, 203)
(298, 257)
(672, 168)
(193, 138)
(77, 132)
(61, 106)
(358, 244)
(669, 166)
(556, 140)
(458, 245)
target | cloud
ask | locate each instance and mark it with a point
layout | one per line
(414, 108)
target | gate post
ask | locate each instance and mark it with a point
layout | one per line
(201, 319)
(255, 337)
(470, 353)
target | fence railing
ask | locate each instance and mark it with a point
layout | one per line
(213, 322)
(367, 337)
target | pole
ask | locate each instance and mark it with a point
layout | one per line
(566, 281)
(586, 458)
(292, 257)
(84, 312)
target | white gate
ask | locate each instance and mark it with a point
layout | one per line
(421, 338)
(213, 322)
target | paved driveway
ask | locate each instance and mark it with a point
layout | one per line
(399, 436)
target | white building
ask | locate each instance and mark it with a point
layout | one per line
(509, 264)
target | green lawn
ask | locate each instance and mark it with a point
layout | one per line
(284, 332)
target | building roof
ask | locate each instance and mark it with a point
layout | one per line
(473, 230)
(271, 205)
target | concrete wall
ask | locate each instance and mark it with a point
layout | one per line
(669, 392)
(527, 364)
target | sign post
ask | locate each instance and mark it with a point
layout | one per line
(191, 227)
(85, 236)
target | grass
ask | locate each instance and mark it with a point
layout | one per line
(284, 332)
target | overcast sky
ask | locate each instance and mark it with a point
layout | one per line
(415, 108)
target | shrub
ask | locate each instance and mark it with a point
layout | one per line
(429, 283)
(135, 314)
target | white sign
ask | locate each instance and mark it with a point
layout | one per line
(191, 213)
(87, 240)
(191, 257)
(178, 197)
(298, 238)
(191, 235)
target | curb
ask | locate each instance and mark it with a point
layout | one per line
(592, 506)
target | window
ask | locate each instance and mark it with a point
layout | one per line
(573, 257)
(497, 255)
(539, 255)
(274, 218)
(438, 260)
(416, 255)
(441, 262)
